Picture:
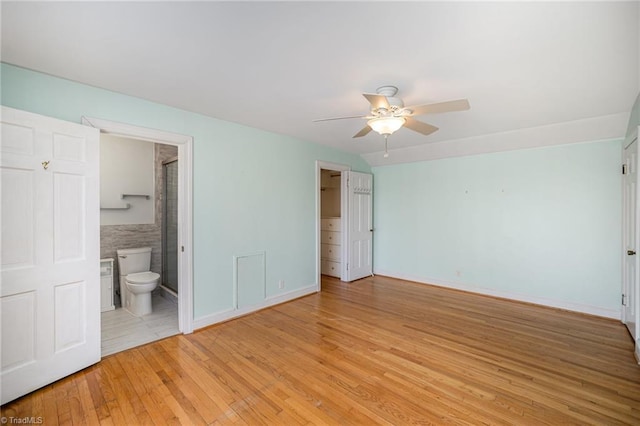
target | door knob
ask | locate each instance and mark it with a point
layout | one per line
(631, 252)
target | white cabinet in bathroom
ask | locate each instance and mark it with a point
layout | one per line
(106, 285)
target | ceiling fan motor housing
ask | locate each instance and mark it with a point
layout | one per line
(396, 104)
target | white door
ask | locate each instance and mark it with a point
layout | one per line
(49, 258)
(359, 248)
(630, 230)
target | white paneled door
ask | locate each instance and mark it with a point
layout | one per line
(630, 235)
(359, 190)
(50, 269)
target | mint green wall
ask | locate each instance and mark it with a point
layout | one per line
(542, 223)
(253, 190)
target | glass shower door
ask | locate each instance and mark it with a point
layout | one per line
(170, 226)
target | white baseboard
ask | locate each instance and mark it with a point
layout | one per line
(560, 304)
(637, 351)
(228, 314)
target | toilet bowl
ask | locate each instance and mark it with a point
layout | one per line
(136, 280)
(139, 286)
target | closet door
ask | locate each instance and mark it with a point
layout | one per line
(359, 247)
(630, 235)
(49, 268)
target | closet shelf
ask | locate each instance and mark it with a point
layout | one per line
(123, 196)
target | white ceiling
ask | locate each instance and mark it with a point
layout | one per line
(277, 66)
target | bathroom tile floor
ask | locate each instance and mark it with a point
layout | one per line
(121, 330)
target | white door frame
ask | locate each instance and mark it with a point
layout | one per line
(185, 203)
(320, 165)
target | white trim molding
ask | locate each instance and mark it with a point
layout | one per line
(228, 314)
(543, 301)
(185, 207)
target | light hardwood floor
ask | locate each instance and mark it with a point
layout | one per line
(377, 351)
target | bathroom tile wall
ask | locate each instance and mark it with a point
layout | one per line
(114, 237)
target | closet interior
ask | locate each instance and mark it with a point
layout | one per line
(330, 223)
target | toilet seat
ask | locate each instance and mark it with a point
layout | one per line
(142, 277)
(139, 286)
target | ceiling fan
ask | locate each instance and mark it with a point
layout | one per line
(389, 114)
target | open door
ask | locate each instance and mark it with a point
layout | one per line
(50, 267)
(630, 237)
(358, 188)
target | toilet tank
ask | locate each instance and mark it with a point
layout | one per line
(134, 260)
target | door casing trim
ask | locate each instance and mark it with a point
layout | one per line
(185, 203)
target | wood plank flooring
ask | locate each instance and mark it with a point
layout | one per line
(377, 351)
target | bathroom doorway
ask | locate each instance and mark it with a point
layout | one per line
(170, 225)
(138, 214)
(181, 304)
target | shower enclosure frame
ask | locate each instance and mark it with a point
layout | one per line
(169, 257)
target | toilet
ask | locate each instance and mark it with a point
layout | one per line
(136, 281)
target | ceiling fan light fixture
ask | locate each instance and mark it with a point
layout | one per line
(386, 125)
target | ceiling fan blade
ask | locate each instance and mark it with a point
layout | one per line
(419, 126)
(338, 118)
(377, 101)
(365, 130)
(449, 106)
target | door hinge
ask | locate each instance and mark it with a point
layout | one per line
(182, 248)
(623, 304)
(624, 169)
(347, 266)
